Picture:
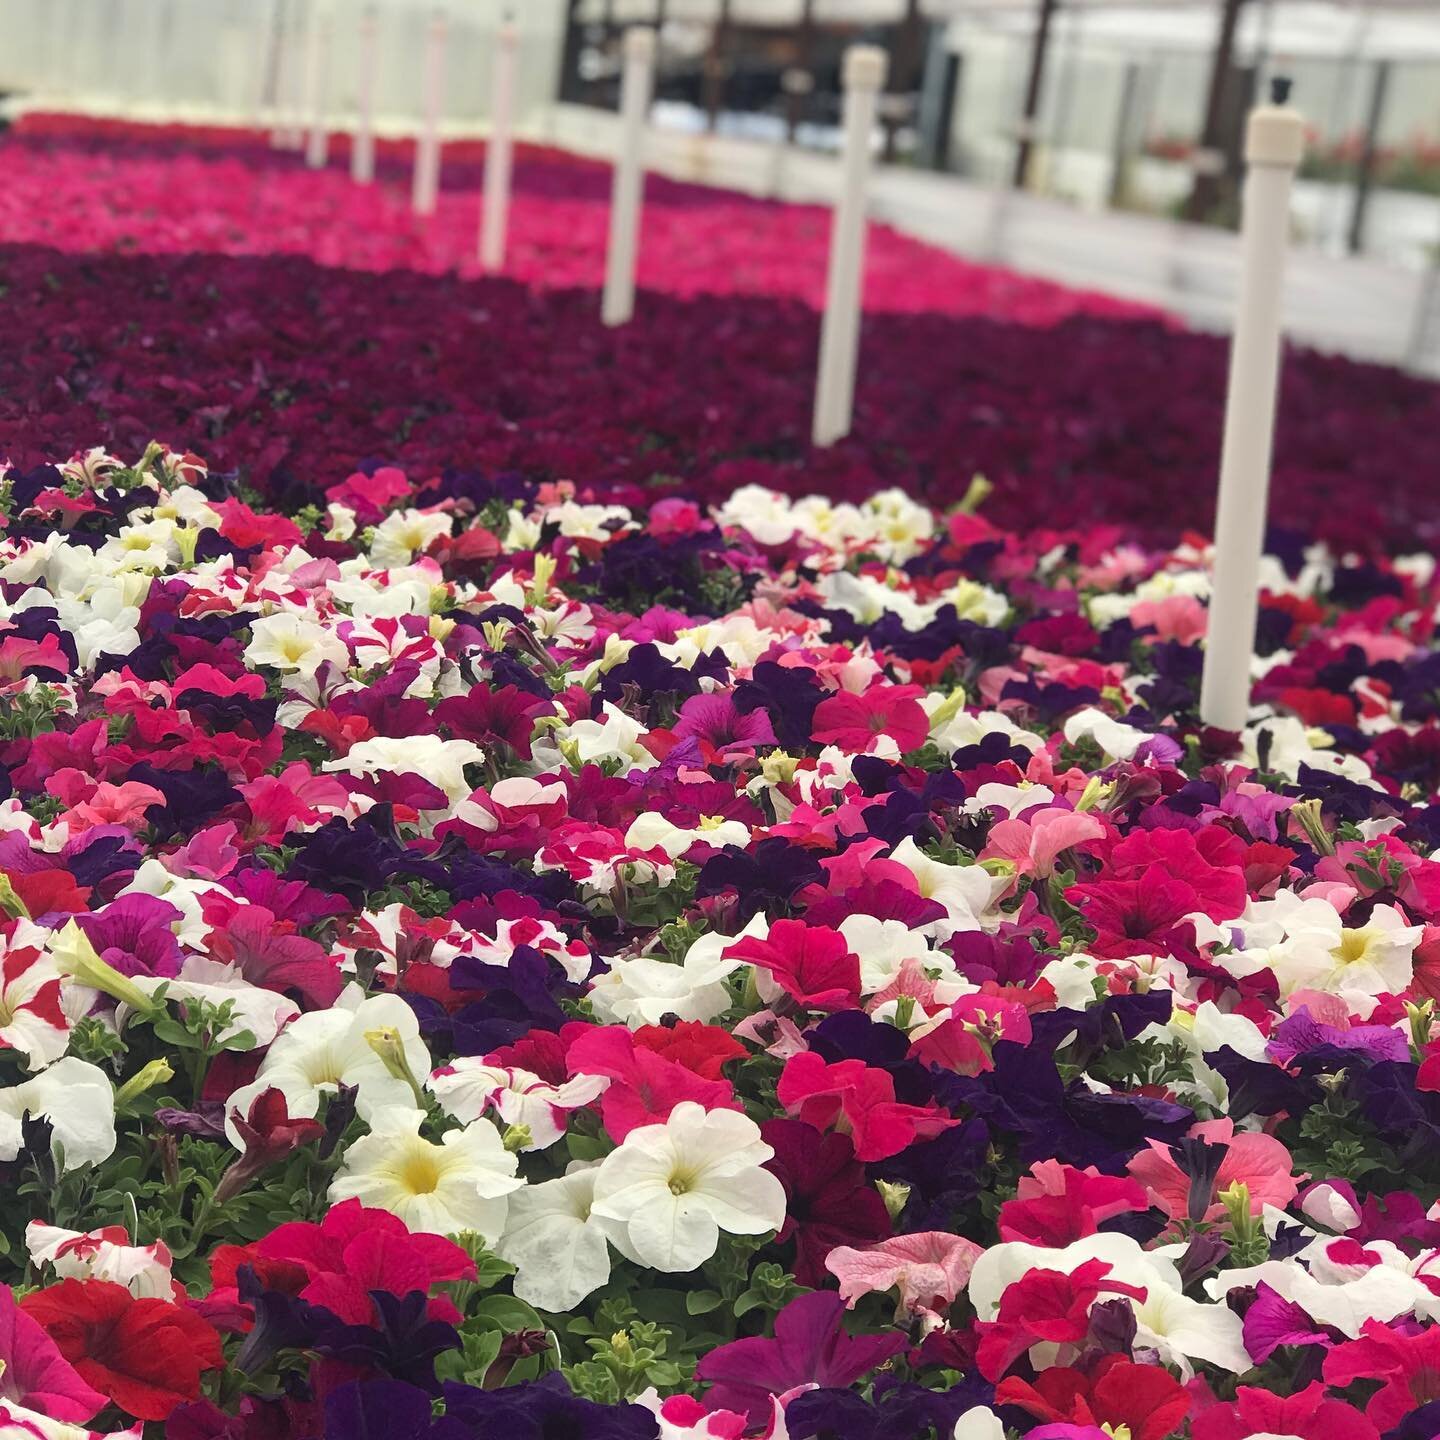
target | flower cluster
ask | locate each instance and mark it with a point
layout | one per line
(118, 186)
(295, 375)
(483, 959)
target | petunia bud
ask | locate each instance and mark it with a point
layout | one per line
(10, 902)
(895, 1194)
(978, 493)
(157, 1072)
(517, 1138)
(1421, 1017)
(77, 958)
(1308, 815)
(387, 1043)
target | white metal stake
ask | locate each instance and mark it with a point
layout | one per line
(280, 134)
(317, 76)
(425, 192)
(865, 71)
(1274, 147)
(624, 249)
(500, 153)
(362, 147)
(267, 16)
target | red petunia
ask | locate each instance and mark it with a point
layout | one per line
(1146, 1400)
(146, 1356)
(858, 1099)
(853, 721)
(705, 1049)
(1044, 1305)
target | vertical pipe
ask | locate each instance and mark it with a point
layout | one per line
(425, 189)
(1125, 125)
(317, 86)
(1274, 146)
(500, 152)
(618, 306)
(800, 78)
(865, 67)
(362, 147)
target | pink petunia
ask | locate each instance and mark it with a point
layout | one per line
(929, 1268)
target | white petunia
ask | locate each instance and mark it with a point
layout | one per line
(77, 1099)
(261, 1012)
(551, 1239)
(290, 643)
(324, 1049)
(644, 990)
(462, 1184)
(668, 1192)
(441, 762)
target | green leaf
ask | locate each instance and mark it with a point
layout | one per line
(702, 1302)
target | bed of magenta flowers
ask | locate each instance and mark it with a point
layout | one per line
(483, 961)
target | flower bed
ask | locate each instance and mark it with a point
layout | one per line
(482, 962)
(295, 374)
(85, 185)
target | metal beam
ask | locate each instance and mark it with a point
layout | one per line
(1209, 157)
(1365, 176)
(1034, 85)
(716, 62)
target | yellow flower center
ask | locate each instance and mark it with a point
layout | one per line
(1354, 946)
(420, 1174)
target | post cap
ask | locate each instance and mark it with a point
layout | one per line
(1275, 133)
(640, 43)
(508, 33)
(866, 67)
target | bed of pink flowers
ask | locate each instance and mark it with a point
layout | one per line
(86, 185)
(483, 961)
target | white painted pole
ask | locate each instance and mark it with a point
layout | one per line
(287, 134)
(266, 16)
(636, 86)
(317, 86)
(865, 71)
(500, 153)
(362, 147)
(1274, 147)
(425, 192)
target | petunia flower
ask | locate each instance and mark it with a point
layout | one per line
(668, 1192)
(929, 1268)
(810, 1347)
(36, 1374)
(1308, 1414)
(78, 1102)
(1259, 1162)
(860, 1100)
(146, 1355)
(461, 1184)
(557, 1245)
(828, 1200)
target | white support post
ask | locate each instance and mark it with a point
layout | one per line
(1274, 147)
(866, 67)
(287, 134)
(362, 145)
(624, 249)
(266, 18)
(500, 152)
(317, 84)
(425, 192)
